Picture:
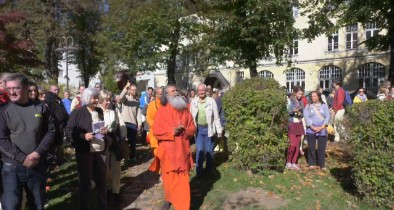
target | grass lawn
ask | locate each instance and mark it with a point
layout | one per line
(305, 189)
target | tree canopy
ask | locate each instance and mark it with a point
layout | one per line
(142, 35)
(247, 31)
(325, 17)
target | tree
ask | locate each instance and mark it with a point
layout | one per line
(144, 34)
(247, 31)
(43, 25)
(325, 17)
(85, 23)
(16, 53)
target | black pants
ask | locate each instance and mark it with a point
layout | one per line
(89, 164)
(321, 150)
(132, 137)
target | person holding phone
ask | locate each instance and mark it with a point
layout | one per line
(295, 128)
(131, 115)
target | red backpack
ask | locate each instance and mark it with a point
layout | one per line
(79, 102)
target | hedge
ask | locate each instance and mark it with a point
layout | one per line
(370, 129)
(257, 118)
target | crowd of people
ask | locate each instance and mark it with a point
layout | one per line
(35, 124)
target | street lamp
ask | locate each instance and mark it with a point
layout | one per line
(66, 44)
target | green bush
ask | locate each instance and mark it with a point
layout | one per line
(257, 117)
(370, 128)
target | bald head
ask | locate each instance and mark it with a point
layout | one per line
(159, 92)
(202, 91)
(54, 89)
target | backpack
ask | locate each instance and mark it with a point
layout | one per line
(348, 100)
(79, 102)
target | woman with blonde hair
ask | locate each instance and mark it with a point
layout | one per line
(112, 159)
(382, 93)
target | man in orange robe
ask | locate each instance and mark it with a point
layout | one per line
(150, 117)
(173, 127)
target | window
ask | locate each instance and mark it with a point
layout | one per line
(295, 12)
(371, 30)
(294, 47)
(351, 36)
(266, 74)
(295, 77)
(370, 75)
(333, 42)
(240, 76)
(327, 75)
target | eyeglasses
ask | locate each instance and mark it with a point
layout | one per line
(13, 89)
(361, 91)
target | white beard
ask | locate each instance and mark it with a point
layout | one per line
(177, 102)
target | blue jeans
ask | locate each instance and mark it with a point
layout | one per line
(205, 146)
(132, 137)
(15, 178)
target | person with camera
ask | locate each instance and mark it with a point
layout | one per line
(131, 115)
(296, 127)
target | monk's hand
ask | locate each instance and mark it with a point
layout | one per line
(89, 136)
(178, 130)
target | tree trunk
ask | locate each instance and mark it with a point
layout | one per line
(51, 60)
(391, 68)
(253, 69)
(171, 63)
(54, 61)
(391, 38)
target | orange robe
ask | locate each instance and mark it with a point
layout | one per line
(174, 154)
(150, 117)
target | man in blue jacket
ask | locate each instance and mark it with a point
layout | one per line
(27, 131)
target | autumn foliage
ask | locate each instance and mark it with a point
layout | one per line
(16, 54)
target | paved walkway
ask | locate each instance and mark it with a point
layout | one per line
(141, 189)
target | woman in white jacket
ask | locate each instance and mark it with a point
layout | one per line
(206, 118)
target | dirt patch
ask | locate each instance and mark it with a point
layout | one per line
(254, 198)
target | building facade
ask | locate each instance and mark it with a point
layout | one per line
(314, 64)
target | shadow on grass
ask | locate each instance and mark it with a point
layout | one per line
(64, 192)
(200, 187)
(344, 177)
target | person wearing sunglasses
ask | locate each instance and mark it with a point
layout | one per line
(361, 96)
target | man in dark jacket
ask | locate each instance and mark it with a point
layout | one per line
(60, 115)
(27, 131)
